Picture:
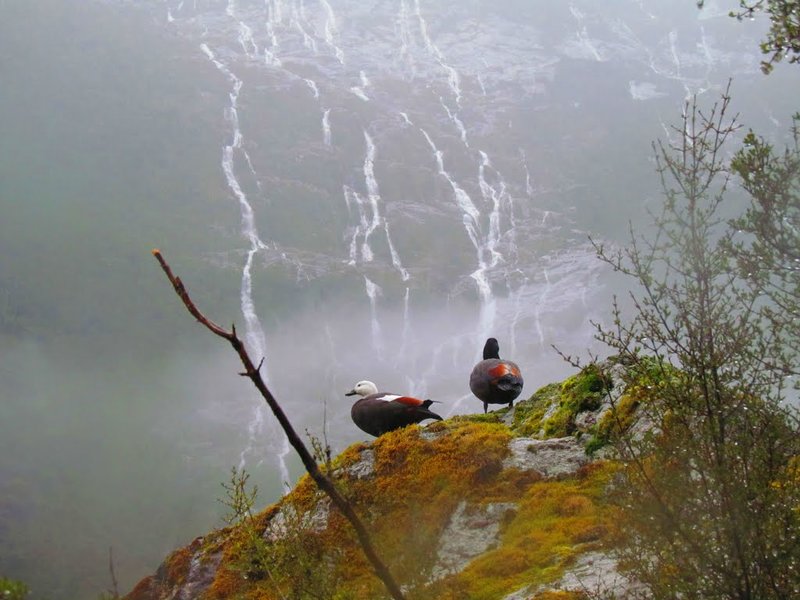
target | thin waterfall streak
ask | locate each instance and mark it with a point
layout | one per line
(373, 291)
(404, 275)
(483, 245)
(367, 255)
(537, 313)
(374, 196)
(456, 405)
(673, 37)
(528, 184)
(254, 332)
(481, 85)
(464, 202)
(326, 126)
(584, 41)
(330, 31)
(404, 336)
(453, 116)
(470, 216)
(494, 196)
(246, 40)
(296, 20)
(361, 90)
(347, 198)
(313, 87)
(255, 428)
(406, 315)
(275, 10)
(271, 53)
(351, 198)
(405, 37)
(283, 455)
(453, 78)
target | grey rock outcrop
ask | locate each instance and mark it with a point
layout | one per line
(553, 458)
(472, 531)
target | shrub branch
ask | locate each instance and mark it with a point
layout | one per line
(323, 482)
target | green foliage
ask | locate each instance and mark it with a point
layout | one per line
(645, 380)
(769, 255)
(708, 495)
(783, 38)
(552, 410)
(278, 552)
(238, 499)
(289, 558)
(13, 590)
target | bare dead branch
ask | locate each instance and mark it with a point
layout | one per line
(323, 482)
(114, 586)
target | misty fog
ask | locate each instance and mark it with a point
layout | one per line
(367, 190)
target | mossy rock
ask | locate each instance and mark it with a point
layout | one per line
(552, 410)
(420, 476)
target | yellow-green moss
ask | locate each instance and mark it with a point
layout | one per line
(551, 411)
(419, 479)
(494, 416)
(646, 379)
(559, 595)
(178, 563)
(555, 521)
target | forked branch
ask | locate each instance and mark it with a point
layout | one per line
(323, 482)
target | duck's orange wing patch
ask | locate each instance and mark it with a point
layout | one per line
(408, 401)
(499, 371)
(504, 369)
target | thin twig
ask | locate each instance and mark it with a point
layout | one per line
(323, 482)
(114, 585)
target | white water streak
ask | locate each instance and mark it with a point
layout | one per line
(453, 116)
(464, 202)
(330, 31)
(313, 86)
(326, 126)
(453, 79)
(470, 218)
(254, 336)
(360, 93)
(528, 185)
(273, 19)
(297, 19)
(374, 197)
(584, 41)
(373, 291)
(404, 32)
(495, 196)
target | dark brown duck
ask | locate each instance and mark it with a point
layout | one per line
(493, 380)
(379, 412)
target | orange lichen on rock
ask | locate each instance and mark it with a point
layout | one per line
(555, 521)
(407, 493)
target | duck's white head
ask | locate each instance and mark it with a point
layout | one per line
(363, 388)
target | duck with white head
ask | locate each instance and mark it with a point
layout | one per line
(378, 412)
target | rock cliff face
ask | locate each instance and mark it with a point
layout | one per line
(501, 506)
